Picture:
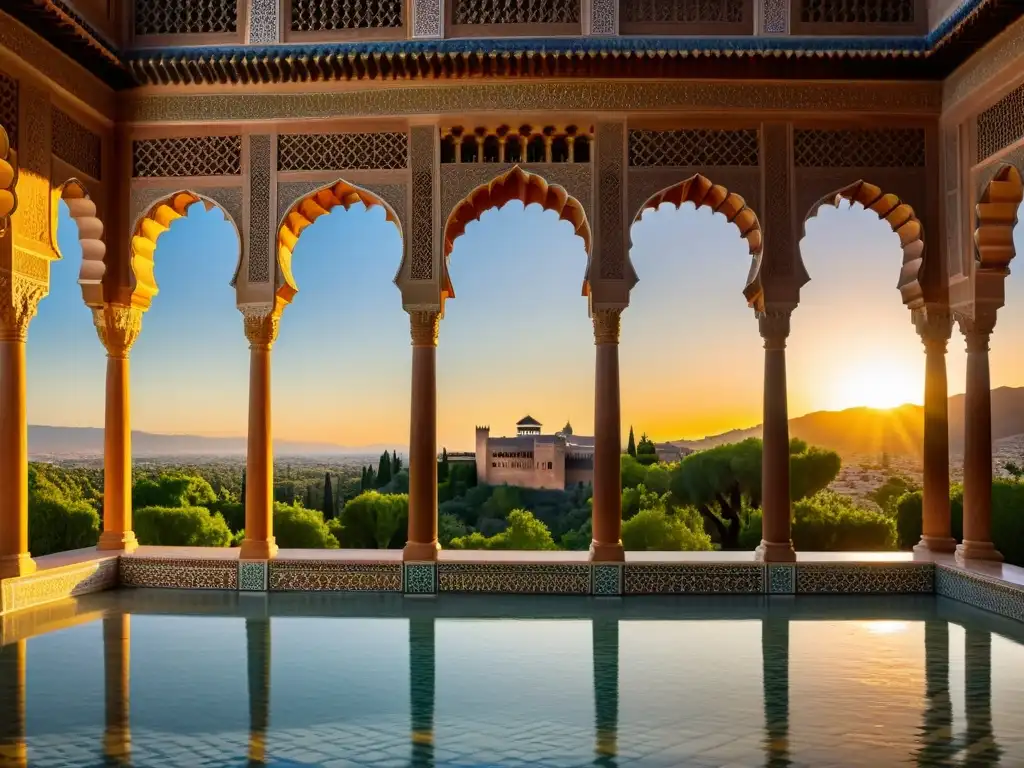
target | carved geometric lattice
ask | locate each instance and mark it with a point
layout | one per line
(185, 17)
(318, 15)
(870, 148)
(857, 11)
(1002, 124)
(342, 151)
(189, 156)
(700, 147)
(259, 208)
(609, 190)
(9, 107)
(516, 12)
(680, 11)
(75, 144)
(422, 241)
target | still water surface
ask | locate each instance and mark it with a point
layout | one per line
(496, 681)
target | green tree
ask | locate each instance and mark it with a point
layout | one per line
(831, 522)
(888, 493)
(449, 527)
(328, 508)
(631, 445)
(442, 467)
(371, 514)
(181, 527)
(57, 524)
(633, 472)
(297, 527)
(383, 470)
(524, 532)
(242, 495)
(658, 480)
(172, 489)
(653, 529)
(396, 463)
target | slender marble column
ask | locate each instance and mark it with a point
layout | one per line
(257, 644)
(977, 543)
(117, 738)
(607, 511)
(981, 748)
(936, 734)
(776, 539)
(422, 543)
(259, 543)
(606, 689)
(775, 680)
(422, 683)
(934, 326)
(118, 327)
(19, 298)
(13, 749)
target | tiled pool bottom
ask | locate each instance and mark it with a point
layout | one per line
(382, 680)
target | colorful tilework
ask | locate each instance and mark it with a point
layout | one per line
(514, 578)
(607, 580)
(420, 579)
(331, 575)
(693, 579)
(887, 578)
(781, 579)
(173, 573)
(252, 575)
(990, 595)
(58, 583)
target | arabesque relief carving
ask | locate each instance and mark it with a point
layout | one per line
(606, 325)
(19, 301)
(424, 327)
(261, 324)
(118, 326)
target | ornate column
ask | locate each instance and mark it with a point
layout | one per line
(936, 733)
(422, 543)
(13, 750)
(117, 738)
(605, 631)
(607, 514)
(261, 328)
(422, 682)
(19, 299)
(257, 644)
(776, 541)
(118, 327)
(775, 679)
(934, 324)
(981, 748)
(977, 543)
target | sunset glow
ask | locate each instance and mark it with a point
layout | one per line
(877, 386)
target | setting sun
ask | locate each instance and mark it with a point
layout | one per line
(878, 386)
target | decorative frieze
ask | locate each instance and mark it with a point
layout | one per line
(187, 156)
(856, 148)
(422, 146)
(694, 148)
(610, 192)
(342, 151)
(9, 107)
(857, 11)
(327, 15)
(185, 17)
(75, 144)
(504, 144)
(681, 11)
(515, 11)
(260, 153)
(1001, 125)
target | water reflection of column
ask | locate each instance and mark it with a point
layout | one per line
(775, 675)
(606, 689)
(117, 737)
(421, 690)
(981, 747)
(257, 637)
(936, 735)
(13, 751)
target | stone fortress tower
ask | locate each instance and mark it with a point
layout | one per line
(532, 459)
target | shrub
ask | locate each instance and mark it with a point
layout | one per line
(829, 522)
(376, 520)
(524, 532)
(296, 527)
(173, 490)
(181, 527)
(653, 529)
(909, 511)
(233, 513)
(56, 524)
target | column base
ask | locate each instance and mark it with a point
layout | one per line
(602, 552)
(118, 540)
(420, 551)
(12, 566)
(978, 550)
(935, 544)
(258, 549)
(771, 552)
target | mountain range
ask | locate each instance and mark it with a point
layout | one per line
(897, 431)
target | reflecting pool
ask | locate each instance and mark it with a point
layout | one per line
(164, 678)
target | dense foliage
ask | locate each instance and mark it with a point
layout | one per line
(830, 522)
(63, 509)
(524, 531)
(181, 526)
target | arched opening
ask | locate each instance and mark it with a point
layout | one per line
(515, 345)
(341, 361)
(691, 359)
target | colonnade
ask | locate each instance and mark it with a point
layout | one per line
(937, 742)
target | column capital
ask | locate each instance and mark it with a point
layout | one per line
(261, 326)
(118, 327)
(606, 325)
(19, 300)
(977, 326)
(773, 324)
(424, 326)
(934, 325)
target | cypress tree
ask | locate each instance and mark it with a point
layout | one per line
(371, 478)
(442, 469)
(309, 497)
(631, 446)
(328, 497)
(384, 470)
(395, 463)
(243, 486)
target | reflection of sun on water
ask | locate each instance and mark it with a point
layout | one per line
(885, 627)
(877, 386)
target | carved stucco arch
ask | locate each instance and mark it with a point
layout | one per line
(157, 218)
(80, 205)
(528, 188)
(311, 206)
(904, 223)
(702, 192)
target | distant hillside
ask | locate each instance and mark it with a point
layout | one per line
(896, 431)
(88, 441)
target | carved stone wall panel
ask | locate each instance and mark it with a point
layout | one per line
(144, 196)
(394, 195)
(342, 151)
(604, 17)
(778, 220)
(1001, 125)
(775, 17)
(515, 11)
(328, 15)
(458, 180)
(983, 66)
(75, 144)
(9, 107)
(874, 97)
(681, 11)
(426, 18)
(951, 199)
(188, 156)
(693, 147)
(857, 11)
(646, 182)
(870, 148)
(264, 22)
(611, 181)
(423, 229)
(32, 219)
(185, 17)
(261, 246)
